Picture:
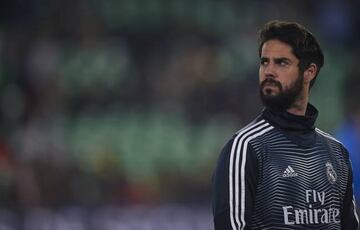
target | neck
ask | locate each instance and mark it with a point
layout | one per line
(299, 106)
(297, 111)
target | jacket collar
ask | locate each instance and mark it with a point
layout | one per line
(290, 122)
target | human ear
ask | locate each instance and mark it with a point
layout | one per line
(310, 72)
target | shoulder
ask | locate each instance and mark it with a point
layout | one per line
(254, 129)
(243, 136)
(329, 137)
(334, 142)
(239, 147)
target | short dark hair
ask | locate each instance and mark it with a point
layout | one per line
(304, 45)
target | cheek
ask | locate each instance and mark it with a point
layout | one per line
(261, 75)
(290, 83)
(289, 76)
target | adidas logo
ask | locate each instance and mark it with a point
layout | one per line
(289, 172)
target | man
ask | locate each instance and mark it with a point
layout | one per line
(280, 172)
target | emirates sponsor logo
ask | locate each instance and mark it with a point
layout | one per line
(311, 215)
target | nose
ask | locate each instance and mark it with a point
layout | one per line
(269, 70)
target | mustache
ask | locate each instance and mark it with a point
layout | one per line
(270, 81)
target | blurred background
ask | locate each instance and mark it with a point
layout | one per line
(113, 112)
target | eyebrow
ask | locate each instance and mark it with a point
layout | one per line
(282, 59)
(279, 59)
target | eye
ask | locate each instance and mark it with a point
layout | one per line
(284, 63)
(264, 62)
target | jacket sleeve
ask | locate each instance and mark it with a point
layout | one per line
(350, 217)
(234, 186)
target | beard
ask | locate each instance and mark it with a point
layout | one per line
(285, 98)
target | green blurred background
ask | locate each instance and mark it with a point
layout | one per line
(121, 107)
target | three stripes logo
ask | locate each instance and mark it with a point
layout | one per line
(289, 172)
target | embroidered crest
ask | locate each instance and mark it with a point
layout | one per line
(330, 172)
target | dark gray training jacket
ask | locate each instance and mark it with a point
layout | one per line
(280, 172)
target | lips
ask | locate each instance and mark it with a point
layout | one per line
(269, 84)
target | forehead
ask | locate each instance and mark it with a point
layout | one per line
(276, 48)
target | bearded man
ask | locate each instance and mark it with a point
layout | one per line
(280, 172)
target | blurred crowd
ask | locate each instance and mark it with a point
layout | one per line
(129, 102)
(162, 217)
